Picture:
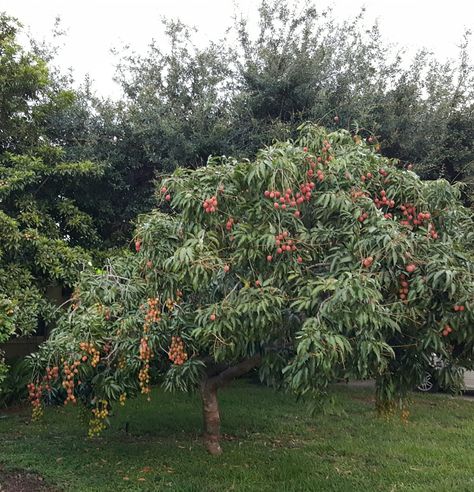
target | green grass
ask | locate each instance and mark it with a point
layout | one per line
(271, 444)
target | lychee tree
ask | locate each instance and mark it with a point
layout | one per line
(320, 260)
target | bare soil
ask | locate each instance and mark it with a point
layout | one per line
(23, 481)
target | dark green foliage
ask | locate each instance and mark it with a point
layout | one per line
(44, 232)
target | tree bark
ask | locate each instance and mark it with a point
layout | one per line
(212, 418)
(210, 404)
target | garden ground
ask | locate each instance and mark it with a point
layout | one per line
(270, 443)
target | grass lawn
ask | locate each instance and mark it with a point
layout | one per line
(270, 443)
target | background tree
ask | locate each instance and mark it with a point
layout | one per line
(319, 260)
(304, 65)
(43, 230)
(182, 103)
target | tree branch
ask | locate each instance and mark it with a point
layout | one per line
(234, 372)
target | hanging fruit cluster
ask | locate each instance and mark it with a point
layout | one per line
(357, 193)
(177, 354)
(404, 287)
(210, 205)
(69, 374)
(288, 200)
(97, 422)
(103, 310)
(153, 314)
(306, 189)
(92, 352)
(35, 392)
(414, 218)
(167, 196)
(172, 303)
(229, 224)
(123, 399)
(367, 262)
(51, 374)
(144, 374)
(325, 157)
(284, 243)
(432, 231)
(447, 330)
(364, 178)
(75, 299)
(363, 217)
(383, 201)
(319, 173)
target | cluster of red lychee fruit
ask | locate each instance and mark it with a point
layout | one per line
(35, 392)
(167, 196)
(363, 217)
(145, 355)
(70, 371)
(432, 231)
(326, 147)
(367, 262)
(284, 243)
(287, 199)
(229, 224)
(412, 217)
(306, 189)
(319, 174)
(404, 287)
(153, 314)
(383, 201)
(177, 354)
(458, 308)
(92, 351)
(210, 205)
(447, 330)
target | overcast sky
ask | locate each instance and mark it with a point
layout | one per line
(95, 26)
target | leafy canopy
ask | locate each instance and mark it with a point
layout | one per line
(43, 230)
(321, 257)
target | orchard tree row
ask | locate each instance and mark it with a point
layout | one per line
(317, 261)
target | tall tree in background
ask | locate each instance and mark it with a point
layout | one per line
(304, 65)
(182, 103)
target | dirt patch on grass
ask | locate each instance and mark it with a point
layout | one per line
(23, 481)
(14, 409)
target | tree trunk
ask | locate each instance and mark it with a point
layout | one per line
(210, 405)
(212, 419)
